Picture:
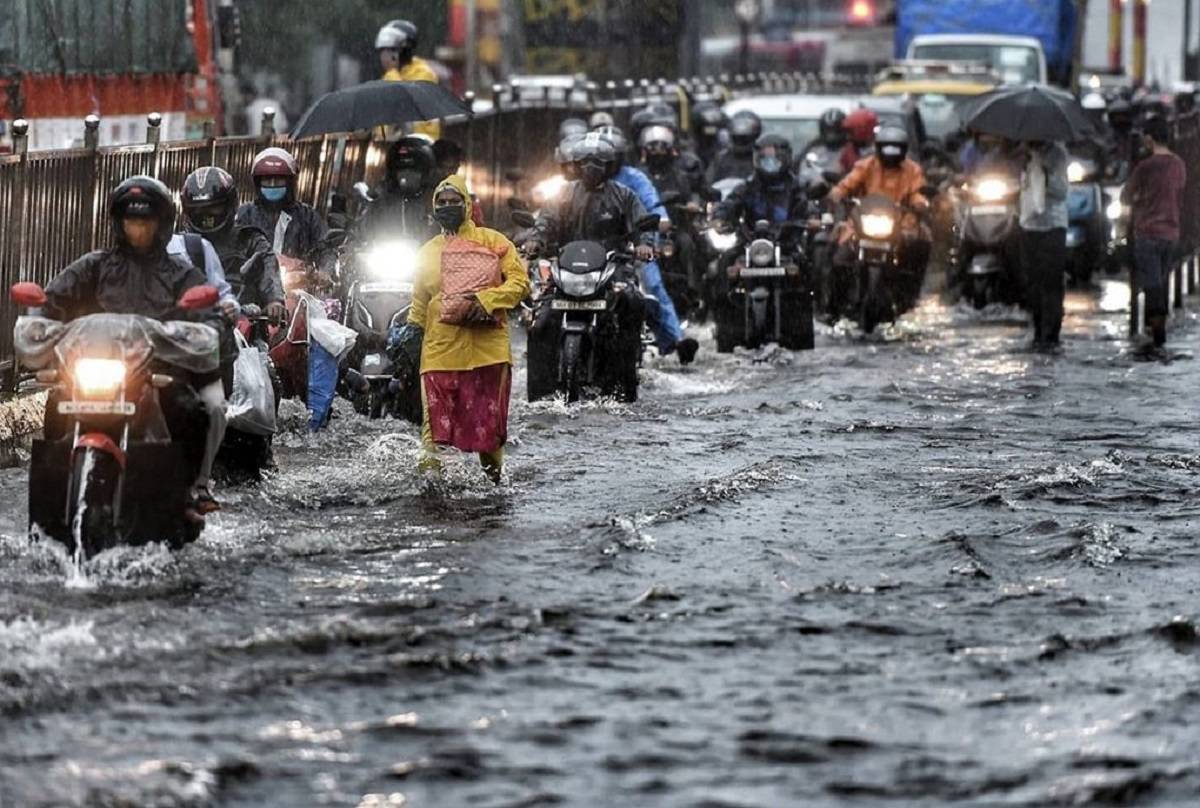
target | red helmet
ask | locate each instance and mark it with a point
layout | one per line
(860, 125)
(274, 162)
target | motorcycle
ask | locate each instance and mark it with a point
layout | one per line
(766, 294)
(984, 251)
(682, 278)
(1087, 225)
(883, 288)
(586, 331)
(107, 471)
(377, 283)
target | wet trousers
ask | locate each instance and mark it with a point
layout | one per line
(663, 319)
(470, 406)
(212, 396)
(1152, 261)
(1043, 259)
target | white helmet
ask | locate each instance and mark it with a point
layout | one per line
(398, 35)
(1094, 102)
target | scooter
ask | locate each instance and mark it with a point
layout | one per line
(1086, 222)
(984, 253)
(106, 471)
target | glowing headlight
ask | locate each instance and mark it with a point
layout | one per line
(391, 260)
(549, 188)
(762, 253)
(722, 242)
(1076, 172)
(96, 377)
(584, 284)
(1115, 210)
(878, 225)
(991, 189)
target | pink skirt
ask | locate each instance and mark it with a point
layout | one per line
(468, 409)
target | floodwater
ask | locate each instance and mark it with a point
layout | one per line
(923, 568)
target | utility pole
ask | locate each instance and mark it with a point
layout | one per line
(1116, 35)
(1140, 7)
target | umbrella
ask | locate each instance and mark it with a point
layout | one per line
(1028, 112)
(379, 103)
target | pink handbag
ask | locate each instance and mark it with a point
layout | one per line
(467, 267)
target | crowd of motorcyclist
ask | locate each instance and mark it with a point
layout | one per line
(679, 214)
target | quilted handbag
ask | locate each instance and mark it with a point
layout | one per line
(467, 267)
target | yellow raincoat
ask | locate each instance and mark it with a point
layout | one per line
(453, 347)
(417, 70)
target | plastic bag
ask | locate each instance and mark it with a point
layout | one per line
(322, 385)
(251, 406)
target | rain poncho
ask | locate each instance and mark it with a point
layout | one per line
(294, 230)
(454, 347)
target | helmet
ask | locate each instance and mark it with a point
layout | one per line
(656, 136)
(410, 161)
(772, 156)
(599, 119)
(892, 145)
(833, 132)
(656, 114)
(399, 35)
(274, 162)
(447, 152)
(1093, 102)
(745, 128)
(565, 151)
(210, 199)
(615, 136)
(860, 125)
(595, 158)
(1120, 114)
(142, 197)
(708, 119)
(572, 126)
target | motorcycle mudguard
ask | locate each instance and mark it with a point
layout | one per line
(985, 264)
(154, 491)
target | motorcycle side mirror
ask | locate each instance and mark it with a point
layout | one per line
(516, 203)
(647, 223)
(762, 227)
(362, 192)
(199, 297)
(523, 218)
(28, 295)
(671, 198)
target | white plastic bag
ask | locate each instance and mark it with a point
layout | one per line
(329, 334)
(251, 407)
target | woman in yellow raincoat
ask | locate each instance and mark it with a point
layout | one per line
(466, 353)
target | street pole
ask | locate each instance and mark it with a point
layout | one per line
(472, 60)
(1140, 8)
(1116, 35)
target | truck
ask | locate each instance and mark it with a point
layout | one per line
(1022, 40)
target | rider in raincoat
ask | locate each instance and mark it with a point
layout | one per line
(465, 365)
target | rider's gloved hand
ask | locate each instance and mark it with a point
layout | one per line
(644, 252)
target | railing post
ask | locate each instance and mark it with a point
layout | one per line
(266, 128)
(91, 132)
(153, 135)
(20, 138)
(494, 151)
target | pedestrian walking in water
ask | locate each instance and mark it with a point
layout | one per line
(1043, 239)
(468, 278)
(1154, 193)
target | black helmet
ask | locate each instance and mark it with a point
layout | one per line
(772, 156)
(833, 131)
(142, 197)
(572, 126)
(599, 119)
(565, 151)
(399, 35)
(595, 158)
(210, 199)
(745, 128)
(891, 143)
(708, 119)
(410, 163)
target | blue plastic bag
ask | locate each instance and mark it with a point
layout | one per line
(322, 385)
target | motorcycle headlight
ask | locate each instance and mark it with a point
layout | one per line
(1076, 172)
(98, 377)
(549, 188)
(722, 242)
(393, 260)
(877, 225)
(991, 189)
(579, 284)
(1115, 210)
(762, 253)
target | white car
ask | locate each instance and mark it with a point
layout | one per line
(795, 117)
(1018, 59)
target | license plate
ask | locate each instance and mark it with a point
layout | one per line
(872, 244)
(96, 408)
(763, 272)
(578, 305)
(989, 210)
(385, 288)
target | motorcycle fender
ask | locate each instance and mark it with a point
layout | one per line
(102, 443)
(984, 264)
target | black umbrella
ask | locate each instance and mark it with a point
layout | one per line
(379, 103)
(1029, 112)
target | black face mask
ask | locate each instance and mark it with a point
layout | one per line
(450, 217)
(593, 175)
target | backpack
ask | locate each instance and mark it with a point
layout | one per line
(194, 245)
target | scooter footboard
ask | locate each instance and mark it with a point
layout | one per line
(154, 491)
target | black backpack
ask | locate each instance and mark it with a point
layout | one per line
(194, 245)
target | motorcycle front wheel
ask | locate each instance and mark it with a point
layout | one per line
(94, 482)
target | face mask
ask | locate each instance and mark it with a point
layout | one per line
(274, 194)
(771, 165)
(450, 217)
(593, 175)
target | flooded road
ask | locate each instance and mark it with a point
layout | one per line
(923, 568)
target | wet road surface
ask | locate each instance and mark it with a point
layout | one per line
(924, 568)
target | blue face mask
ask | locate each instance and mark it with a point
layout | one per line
(274, 194)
